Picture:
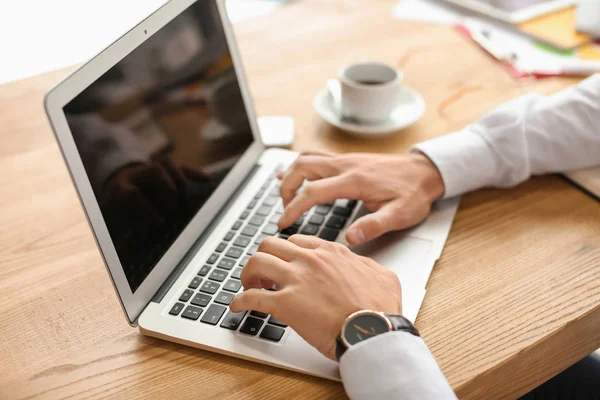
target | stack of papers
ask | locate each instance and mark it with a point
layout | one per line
(522, 54)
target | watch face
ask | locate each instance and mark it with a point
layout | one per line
(363, 327)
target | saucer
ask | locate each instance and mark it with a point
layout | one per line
(410, 109)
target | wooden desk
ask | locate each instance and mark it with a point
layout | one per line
(514, 299)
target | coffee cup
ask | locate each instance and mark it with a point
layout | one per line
(368, 91)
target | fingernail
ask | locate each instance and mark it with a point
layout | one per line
(356, 236)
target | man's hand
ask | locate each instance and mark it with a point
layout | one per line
(398, 188)
(319, 284)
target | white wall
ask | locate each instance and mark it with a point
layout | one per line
(42, 35)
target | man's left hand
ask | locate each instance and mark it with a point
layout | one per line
(319, 284)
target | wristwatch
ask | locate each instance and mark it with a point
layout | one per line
(363, 325)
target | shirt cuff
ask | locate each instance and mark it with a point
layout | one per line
(464, 160)
(395, 365)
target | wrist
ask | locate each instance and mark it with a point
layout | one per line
(366, 324)
(432, 183)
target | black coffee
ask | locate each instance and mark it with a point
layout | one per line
(369, 82)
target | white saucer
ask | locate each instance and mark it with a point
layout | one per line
(409, 110)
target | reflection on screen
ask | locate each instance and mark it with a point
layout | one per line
(157, 134)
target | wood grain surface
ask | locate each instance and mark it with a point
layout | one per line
(514, 299)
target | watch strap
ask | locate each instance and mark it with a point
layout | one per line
(399, 323)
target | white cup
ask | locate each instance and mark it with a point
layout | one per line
(370, 91)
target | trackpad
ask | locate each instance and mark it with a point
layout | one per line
(409, 257)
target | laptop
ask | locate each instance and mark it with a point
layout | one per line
(160, 137)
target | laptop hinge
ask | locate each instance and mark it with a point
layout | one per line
(166, 286)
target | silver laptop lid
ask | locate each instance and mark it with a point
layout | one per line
(157, 132)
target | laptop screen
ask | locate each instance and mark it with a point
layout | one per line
(157, 134)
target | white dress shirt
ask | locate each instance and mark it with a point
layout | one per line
(531, 135)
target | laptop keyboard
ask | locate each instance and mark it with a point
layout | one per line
(210, 292)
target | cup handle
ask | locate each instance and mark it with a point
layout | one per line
(335, 91)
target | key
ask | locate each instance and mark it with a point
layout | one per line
(237, 225)
(210, 287)
(204, 270)
(224, 298)
(229, 236)
(256, 221)
(195, 283)
(263, 211)
(226, 263)
(329, 234)
(185, 296)
(212, 259)
(270, 201)
(237, 273)
(233, 320)
(244, 260)
(244, 215)
(274, 192)
(176, 309)
(279, 208)
(342, 211)
(299, 222)
(351, 204)
(218, 275)
(242, 241)
(201, 300)
(249, 231)
(260, 238)
(259, 314)
(221, 247)
(275, 218)
(251, 205)
(234, 252)
(310, 230)
(252, 326)
(252, 250)
(272, 333)
(270, 229)
(335, 222)
(192, 312)
(213, 314)
(322, 209)
(316, 219)
(232, 285)
(292, 230)
(259, 194)
(277, 322)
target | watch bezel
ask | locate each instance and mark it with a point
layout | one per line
(361, 313)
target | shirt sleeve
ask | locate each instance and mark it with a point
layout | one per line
(530, 135)
(395, 365)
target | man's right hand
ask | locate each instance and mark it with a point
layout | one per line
(398, 189)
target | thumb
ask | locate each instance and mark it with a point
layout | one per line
(373, 225)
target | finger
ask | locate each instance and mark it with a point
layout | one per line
(265, 267)
(255, 299)
(304, 241)
(374, 225)
(279, 248)
(319, 192)
(305, 168)
(322, 153)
